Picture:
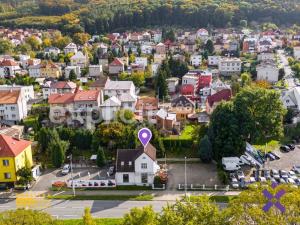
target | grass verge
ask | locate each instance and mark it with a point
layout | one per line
(102, 221)
(214, 198)
(104, 197)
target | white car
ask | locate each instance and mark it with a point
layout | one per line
(262, 179)
(245, 159)
(240, 175)
(291, 181)
(66, 169)
(282, 181)
(275, 174)
(283, 174)
(292, 175)
(234, 183)
(252, 180)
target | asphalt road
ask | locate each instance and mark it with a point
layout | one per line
(62, 209)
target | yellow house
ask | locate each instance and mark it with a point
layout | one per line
(49, 69)
(14, 155)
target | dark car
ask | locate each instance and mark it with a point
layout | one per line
(266, 174)
(284, 148)
(275, 155)
(291, 146)
(270, 156)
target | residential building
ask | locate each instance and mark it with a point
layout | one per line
(160, 49)
(297, 52)
(291, 98)
(13, 106)
(34, 71)
(229, 66)
(110, 107)
(136, 166)
(250, 45)
(215, 99)
(266, 56)
(183, 107)
(159, 58)
(27, 92)
(71, 48)
(196, 60)
(75, 109)
(267, 70)
(173, 83)
(202, 34)
(49, 69)
(59, 87)
(213, 60)
(143, 61)
(14, 155)
(79, 59)
(99, 84)
(116, 88)
(165, 120)
(190, 78)
(9, 68)
(76, 70)
(95, 71)
(116, 67)
(147, 108)
(51, 51)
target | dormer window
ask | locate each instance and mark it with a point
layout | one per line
(122, 163)
(130, 163)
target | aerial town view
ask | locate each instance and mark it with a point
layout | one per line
(149, 112)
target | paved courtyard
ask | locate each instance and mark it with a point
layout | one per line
(197, 173)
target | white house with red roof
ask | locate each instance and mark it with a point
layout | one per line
(202, 34)
(58, 87)
(215, 99)
(116, 66)
(9, 68)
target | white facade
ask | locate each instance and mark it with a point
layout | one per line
(213, 60)
(76, 69)
(95, 70)
(147, 49)
(109, 108)
(27, 92)
(144, 167)
(154, 69)
(71, 48)
(143, 61)
(268, 72)
(230, 66)
(79, 59)
(297, 53)
(190, 79)
(265, 56)
(173, 83)
(196, 60)
(115, 88)
(34, 71)
(291, 98)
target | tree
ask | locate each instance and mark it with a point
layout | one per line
(25, 175)
(209, 46)
(81, 38)
(72, 75)
(45, 135)
(57, 149)
(260, 114)
(246, 79)
(288, 117)
(243, 23)
(138, 78)
(125, 116)
(224, 132)
(33, 42)
(161, 86)
(205, 149)
(23, 216)
(87, 217)
(137, 216)
(5, 46)
(101, 160)
(110, 134)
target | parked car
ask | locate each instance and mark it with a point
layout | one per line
(291, 146)
(262, 179)
(275, 174)
(245, 160)
(111, 171)
(234, 183)
(292, 175)
(273, 180)
(291, 181)
(296, 169)
(276, 155)
(284, 148)
(282, 181)
(66, 169)
(266, 174)
(240, 175)
(270, 156)
(252, 180)
(283, 174)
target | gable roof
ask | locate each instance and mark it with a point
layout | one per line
(12, 147)
(65, 98)
(204, 81)
(224, 94)
(182, 101)
(111, 102)
(118, 85)
(116, 62)
(9, 96)
(7, 62)
(147, 103)
(78, 55)
(63, 85)
(100, 82)
(89, 95)
(130, 155)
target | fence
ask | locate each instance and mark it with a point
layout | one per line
(203, 187)
(159, 187)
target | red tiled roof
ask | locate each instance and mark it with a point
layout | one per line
(61, 98)
(89, 95)
(7, 62)
(187, 89)
(219, 96)
(116, 62)
(147, 103)
(204, 81)
(9, 96)
(11, 147)
(64, 84)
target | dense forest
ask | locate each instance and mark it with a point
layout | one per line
(98, 16)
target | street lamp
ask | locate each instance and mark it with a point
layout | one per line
(185, 182)
(71, 164)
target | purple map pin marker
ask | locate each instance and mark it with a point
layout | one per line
(145, 136)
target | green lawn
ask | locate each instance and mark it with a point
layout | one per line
(186, 134)
(270, 146)
(103, 221)
(214, 198)
(104, 197)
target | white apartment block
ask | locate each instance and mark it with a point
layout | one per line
(268, 71)
(297, 52)
(229, 66)
(27, 92)
(196, 60)
(213, 60)
(143, 61)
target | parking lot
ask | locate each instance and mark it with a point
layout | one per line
(197, 173)
(83, 173)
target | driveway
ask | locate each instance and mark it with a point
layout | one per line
(85, 173)
(197, 173)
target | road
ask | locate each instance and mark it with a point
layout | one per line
(65, 209)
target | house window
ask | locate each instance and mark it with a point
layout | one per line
(144, 165)
(13, 108)
(7, 175)
(5, 162)
(125, 178)
(144, 178)
(287, 101)
(13, 115)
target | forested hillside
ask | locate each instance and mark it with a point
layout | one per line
(98, 16)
